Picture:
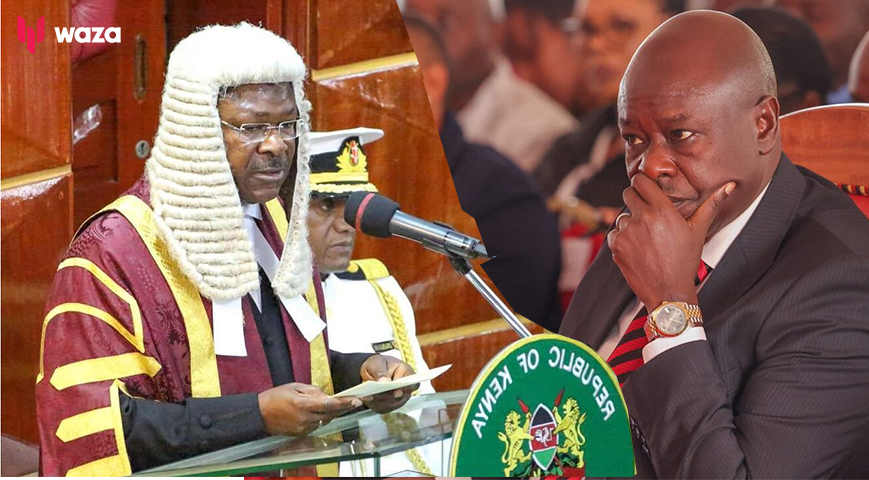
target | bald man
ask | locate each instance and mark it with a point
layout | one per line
(858, 79)
(731, 297)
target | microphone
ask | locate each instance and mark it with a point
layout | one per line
(379, 216)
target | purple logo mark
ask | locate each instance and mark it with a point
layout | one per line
(29, 36)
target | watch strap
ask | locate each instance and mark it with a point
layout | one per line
(692, 312)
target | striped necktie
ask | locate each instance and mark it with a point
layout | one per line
(628, 355)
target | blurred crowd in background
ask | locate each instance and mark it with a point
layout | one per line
(538, 80)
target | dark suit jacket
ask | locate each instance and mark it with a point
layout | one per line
(781, 387)
(514, 223)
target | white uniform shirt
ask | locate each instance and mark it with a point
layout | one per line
(357, 322)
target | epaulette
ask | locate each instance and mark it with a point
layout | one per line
(365, 269)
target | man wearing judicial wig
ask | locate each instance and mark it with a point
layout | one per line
(734, 288)
(185, 316)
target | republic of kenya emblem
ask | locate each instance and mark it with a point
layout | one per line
(549, 435)
(544, 406)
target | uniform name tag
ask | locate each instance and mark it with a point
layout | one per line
(380, 347)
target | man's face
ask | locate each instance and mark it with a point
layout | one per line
(259, 167)
(610, 33)
(466, 28)
(691, 142)
(558, 67)
(540, 53)
(331, 239)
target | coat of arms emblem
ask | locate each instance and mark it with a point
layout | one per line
(352, 158)
(545, 406)
(551, 437)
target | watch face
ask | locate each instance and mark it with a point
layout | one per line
(671, 320)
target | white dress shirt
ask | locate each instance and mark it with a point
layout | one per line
(252, 213)
(514, 117)
(227, 314)
(712, 253)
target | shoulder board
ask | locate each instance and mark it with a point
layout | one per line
(365, 269)
(348, 275)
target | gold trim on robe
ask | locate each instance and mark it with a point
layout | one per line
(204, 378)
(115, 465)
(104, 368)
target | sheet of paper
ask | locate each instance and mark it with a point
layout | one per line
(365, 389)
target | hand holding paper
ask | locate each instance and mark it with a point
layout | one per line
(387, 383)
(369, 388)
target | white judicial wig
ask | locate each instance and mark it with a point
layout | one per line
(193, 194)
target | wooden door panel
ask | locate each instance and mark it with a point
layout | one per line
(125, 82)
(139, 94)
(185, 16)
(35, 114)
(350, 32)
(36, 229)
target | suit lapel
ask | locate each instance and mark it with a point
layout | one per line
(754, 250)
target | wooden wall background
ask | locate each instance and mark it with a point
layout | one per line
(36, 194)
(363, 73)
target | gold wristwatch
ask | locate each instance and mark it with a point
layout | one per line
(672, 319)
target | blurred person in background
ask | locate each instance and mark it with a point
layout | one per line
(584, 171)
(840, 25)
(722, 5)
(606, 34)
(801, 68)
(508, 208)
(539, 50)
(858, 79)
(492, 104)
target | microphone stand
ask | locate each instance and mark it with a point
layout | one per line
(465, 269)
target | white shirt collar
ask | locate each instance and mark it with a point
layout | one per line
(252, 210)
(717, 246)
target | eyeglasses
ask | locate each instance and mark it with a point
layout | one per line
(617, 32)
(257, 132)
